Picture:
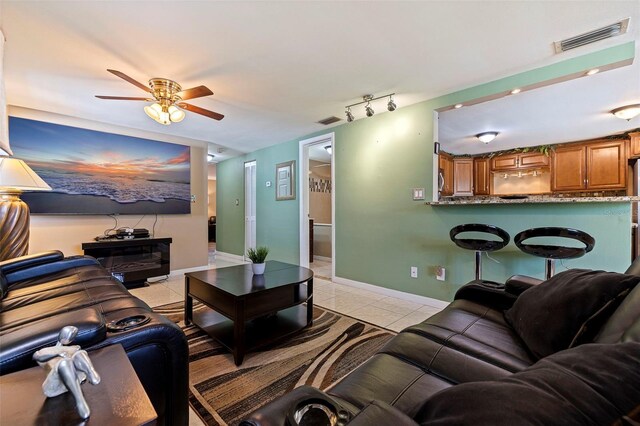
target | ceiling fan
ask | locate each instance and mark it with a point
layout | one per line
(167, 98)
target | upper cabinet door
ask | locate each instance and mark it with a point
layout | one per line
(569, 169)
(532, 159)
(634, 145)
(607, 165)
(481, 176)
(504, 162)
(463, 176)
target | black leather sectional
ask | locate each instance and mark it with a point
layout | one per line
(469, 365)
(43, 293)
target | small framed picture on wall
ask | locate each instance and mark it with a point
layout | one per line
(285, 181)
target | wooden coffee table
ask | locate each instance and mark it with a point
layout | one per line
(247, 310)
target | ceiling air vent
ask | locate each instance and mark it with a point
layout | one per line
(609, 31)
(329, 120)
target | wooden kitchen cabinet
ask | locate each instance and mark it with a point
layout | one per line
(634, 145)
(607, 165)
(594, 166)
(463, 176)
(445, 163)
(504, 162)
(481, 176)
(526, 160)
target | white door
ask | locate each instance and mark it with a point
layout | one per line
(249, 205)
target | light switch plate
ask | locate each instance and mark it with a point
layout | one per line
(418, 194)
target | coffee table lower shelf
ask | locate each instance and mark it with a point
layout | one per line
(258, 332)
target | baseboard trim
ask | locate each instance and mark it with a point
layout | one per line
(436, 303)
(322, 258)
(179, 272)
(230, 256)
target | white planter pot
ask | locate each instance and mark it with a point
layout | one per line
(258, 268)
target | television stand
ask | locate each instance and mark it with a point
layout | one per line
(134, 260)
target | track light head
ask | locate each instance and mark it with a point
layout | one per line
(349, 115)
(391, 106)
(369, 110)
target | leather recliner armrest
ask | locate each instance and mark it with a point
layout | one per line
(27, 273)
(275, 412)
(17, 346)
(23, 262)
(517, 284)
(381, 413)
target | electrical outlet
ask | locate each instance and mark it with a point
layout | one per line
(193, 198)
(414, 272)
(440, 273)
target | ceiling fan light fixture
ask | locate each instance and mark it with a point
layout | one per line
(153, 111)
(176, 114)
(487, 137)
(627, 112)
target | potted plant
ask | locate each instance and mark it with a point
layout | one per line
(257, 257)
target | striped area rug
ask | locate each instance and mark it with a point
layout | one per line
(319, 356)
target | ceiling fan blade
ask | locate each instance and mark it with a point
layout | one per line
(130, 80)
(124, 98)
(194, 92)
(201, 111)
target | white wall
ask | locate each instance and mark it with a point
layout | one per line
(68, 232)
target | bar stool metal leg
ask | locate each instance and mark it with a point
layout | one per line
(549, 268)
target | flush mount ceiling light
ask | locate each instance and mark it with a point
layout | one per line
(487, 137)
(627, 112)
(593, 71)
(210, 157)
(366, 99)
(458, 106)
(516, 91)
(328, 149)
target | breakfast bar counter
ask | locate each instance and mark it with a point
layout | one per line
(531, 199)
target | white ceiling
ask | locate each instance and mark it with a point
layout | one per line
(278, 67)
(318, 153)
(571, 111)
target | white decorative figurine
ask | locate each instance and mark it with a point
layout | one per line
(68, 367)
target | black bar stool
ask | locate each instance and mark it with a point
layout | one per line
(553, 252)
(478, 245)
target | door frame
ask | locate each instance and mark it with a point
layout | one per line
(254, 185)
(303, 193)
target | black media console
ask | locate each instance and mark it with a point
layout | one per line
(132, 261)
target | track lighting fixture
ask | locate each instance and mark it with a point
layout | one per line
(391, 106)
(369, 110)
(366, 99)
(349, 115)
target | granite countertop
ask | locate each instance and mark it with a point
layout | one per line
(535, 199)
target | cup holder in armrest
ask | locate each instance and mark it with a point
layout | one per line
(128, 323)
(317, 412)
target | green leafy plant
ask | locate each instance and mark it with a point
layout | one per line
(258, 255)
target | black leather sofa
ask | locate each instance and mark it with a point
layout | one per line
(478, 361)
(42, 293)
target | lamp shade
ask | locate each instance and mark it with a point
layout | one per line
(17, 176)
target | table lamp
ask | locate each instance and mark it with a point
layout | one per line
(15, 177)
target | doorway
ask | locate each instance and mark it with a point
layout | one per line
(317, 205)
(249, 205)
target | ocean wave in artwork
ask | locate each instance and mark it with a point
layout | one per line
(124, 190)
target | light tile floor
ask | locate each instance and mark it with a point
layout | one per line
(375, 308)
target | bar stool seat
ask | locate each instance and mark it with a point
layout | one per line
(552, 252)
(480, 245)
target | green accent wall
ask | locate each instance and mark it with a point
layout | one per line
(381, 232)
(276, 221)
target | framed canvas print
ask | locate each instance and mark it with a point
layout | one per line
(92, 172)
(285, 181)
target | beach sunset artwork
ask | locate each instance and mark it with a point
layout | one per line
(93, 172)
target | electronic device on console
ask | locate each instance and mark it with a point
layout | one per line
(131, 233)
